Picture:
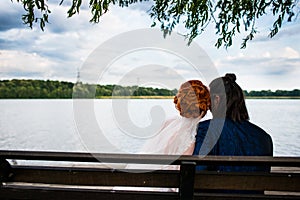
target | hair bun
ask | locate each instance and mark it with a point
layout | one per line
(231, 77)
(192, 99)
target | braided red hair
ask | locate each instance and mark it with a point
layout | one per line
(192, 99)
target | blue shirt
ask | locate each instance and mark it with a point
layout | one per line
(228, 138)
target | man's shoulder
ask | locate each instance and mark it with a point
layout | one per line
(205, 122)
(255, 128)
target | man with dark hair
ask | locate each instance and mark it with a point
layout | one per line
(230, 133)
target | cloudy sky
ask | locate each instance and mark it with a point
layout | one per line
(67, 44)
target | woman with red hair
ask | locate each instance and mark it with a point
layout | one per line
(177, 135)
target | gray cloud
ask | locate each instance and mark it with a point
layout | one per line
(66, 3)
(142, 6)
(289, 29)
(10, 21)
(24, 74)
(263, 66)
(10, 16)
(22, 43)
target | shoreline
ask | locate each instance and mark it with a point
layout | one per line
(272, 97)
(153, 97)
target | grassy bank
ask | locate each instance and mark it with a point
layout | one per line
(272, 97)
(171, 97)
(135, 97)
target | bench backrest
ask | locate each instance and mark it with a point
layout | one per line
(84, 175)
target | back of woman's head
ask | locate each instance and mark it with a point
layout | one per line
(232, 102)
(192, 99)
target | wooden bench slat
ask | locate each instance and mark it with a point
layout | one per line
(95, 177)
(248, 181)
(46, 193)
(151, 159)
(161, 178)
(216, 196)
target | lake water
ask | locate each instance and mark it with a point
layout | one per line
(123, 125)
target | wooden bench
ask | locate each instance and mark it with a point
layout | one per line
(58, 175)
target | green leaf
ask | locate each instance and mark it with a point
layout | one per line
(153, 24)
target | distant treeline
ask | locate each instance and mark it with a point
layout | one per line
(29, 89)
(277, 93)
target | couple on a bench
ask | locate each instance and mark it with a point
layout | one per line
(228, 133)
